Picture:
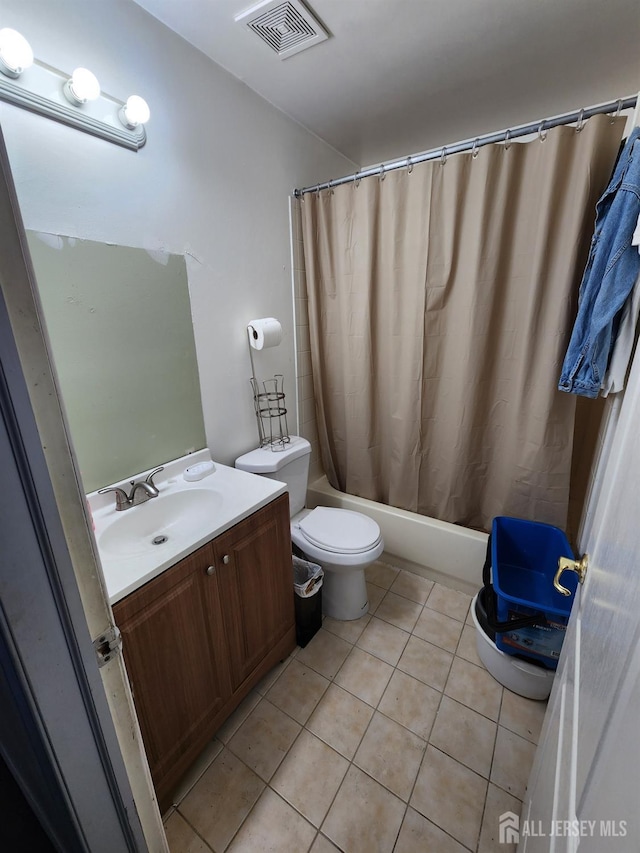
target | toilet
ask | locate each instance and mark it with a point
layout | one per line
(343, 542)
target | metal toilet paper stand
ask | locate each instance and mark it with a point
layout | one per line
(270, 407)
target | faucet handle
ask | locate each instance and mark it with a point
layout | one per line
(122, 499)
(152, 475)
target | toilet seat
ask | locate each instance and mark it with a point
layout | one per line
(339, 531)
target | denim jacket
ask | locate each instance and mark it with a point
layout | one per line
(612, 269)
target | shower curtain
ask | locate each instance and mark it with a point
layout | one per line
(440, 301)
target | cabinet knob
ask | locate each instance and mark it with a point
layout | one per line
(225, 559)
(211, 570)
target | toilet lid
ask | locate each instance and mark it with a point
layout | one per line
(340, 530)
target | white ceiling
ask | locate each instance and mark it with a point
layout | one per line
(401, 76)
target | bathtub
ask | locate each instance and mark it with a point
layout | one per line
(437, 550)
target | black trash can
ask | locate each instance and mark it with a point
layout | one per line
(307, 587)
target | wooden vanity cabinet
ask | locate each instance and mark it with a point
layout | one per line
(174, 650)
(199, 637)
(256, 587)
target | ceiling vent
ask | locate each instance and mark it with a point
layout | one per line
(287, 27)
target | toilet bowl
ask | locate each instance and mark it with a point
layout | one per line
(343, 542)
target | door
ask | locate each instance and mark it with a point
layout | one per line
(256, 585)
(175, 654)
(56, 733)
(587, 768)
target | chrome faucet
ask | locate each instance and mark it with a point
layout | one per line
(141, 491)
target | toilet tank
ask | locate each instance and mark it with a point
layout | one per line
(290, 466)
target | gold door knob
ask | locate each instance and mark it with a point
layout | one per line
(565, 564)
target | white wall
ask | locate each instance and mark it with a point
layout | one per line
(213, 181)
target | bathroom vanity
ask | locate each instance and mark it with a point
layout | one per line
(200, 580)
(198, 637)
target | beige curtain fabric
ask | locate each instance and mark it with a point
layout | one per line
(439, 306)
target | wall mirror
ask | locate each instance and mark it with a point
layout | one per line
(119, 323)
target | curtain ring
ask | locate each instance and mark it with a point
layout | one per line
(317, 190)
(580, 123)
(382, 174)
(617, 112)
(542, 133)
(475, 149)
(409, 166)
(356, 180)
(443, 156)
(330, 188)
(507, 139)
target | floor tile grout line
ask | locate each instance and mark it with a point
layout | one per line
(404, 817)
(384, 660)
(486, 794)
(265, 699)
(191, 826)
(460, 761)
(513, 732)
(493, 754)
(497, 784)
(484, 810)
(262, 696)
(175, 805)
(426, 602)
(394, 624)
(399, 571)
(268, 787)
(479, 775)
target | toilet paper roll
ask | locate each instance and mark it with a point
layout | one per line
(264, 333)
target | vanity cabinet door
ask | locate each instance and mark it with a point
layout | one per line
(255, 578)
(175, 653)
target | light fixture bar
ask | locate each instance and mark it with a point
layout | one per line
(20, 96)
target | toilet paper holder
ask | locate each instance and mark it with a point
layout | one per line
(269, 399)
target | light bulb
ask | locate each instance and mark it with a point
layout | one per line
(82, 87)
(15, 53)
(135, 112)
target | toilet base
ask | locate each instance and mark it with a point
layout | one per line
(344, 594)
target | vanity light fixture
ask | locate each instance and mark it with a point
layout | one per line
(135, 112)
(81, 87)
(15, 53)
(74, 100)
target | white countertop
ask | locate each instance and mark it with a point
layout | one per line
(237, 495)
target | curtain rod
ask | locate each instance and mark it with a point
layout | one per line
(473, 144)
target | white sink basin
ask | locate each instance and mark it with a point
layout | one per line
(183, 517)
(172, 519)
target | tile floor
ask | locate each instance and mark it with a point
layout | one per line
(384, 734)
